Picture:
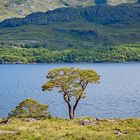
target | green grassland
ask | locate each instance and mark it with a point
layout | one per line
(63, 129)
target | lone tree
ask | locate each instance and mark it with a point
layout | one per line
(71, 82)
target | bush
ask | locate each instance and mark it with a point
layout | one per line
(30, 108)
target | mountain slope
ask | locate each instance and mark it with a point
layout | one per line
(21, 8)
(82, 27)
(100, 14)
(74, 34)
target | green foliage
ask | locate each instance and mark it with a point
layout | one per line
(29, 108)
(119, 53)
(71, 82)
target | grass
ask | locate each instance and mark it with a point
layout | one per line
(62, 129)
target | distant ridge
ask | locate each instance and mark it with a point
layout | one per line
(74, 27)
(99, 14)
(21, 8)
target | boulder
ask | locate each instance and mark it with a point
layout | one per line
(29, 120)
(87, 122)
(118, 132)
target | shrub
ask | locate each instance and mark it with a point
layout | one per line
(30, 108)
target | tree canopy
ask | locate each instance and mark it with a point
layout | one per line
(71, 82)
(30, 108)
(121, 53)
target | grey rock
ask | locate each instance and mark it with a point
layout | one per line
(98, 119)
(118, 132)
(29, 120)
(87, 122)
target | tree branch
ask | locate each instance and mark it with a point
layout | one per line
(77, 100)
(67, 100)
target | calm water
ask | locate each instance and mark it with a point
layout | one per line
(118, 94)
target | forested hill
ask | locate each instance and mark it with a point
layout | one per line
(99, 14)
(74, 34)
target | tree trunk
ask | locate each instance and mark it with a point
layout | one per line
(73, 113)
(75, 105)
(67, 100)
(70, 111)
(70, 108)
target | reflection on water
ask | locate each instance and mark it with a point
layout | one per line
(118, 94)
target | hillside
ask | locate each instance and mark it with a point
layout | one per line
(90, 26)
(56, 129)
(74, 34)
(21, 8)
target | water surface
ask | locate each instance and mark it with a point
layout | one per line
(118, 94)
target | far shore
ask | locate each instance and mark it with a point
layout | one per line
(36, 63)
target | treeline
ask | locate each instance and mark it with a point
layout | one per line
(124, 53)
